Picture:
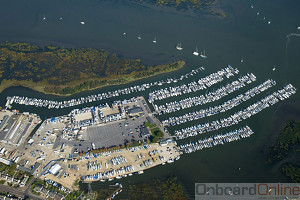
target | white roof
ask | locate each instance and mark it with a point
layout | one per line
(30, 141)
(54, 169)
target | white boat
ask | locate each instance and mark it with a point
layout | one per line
(102, 180)
(82, 23)
(274, 68)
(163, 163)
(242, 60)
(130, 174)
(269, 22)
(118, 177)
(44, 18)
(139, 37)
(196, 53)
(178, 47)
(110, 179)
(124, 33)
(154, 40)
(257, 13)
(203, 55)
(141, 172)
(252, 6)
(298, 28)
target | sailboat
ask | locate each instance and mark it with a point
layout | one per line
(154, 41)
(203, 55)
(178, 47)
(274, 68)
(139, 37)
(196, 53)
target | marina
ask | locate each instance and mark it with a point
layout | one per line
(239, 116)
(194, 86)
(207, 98)
(252, 43)
(50, 104)
(219, 139)
(220, 108)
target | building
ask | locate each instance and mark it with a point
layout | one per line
(135, 111)
(58, 196)
(52, 194)
(38, 188)
(45, 191)
(145, 132)
(54, 169)
(150, 120)
(7, 162)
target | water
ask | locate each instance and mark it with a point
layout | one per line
(243, 34)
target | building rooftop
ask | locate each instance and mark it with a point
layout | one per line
(145, 132)
(135, 110)
(38, 188)
(54, 169)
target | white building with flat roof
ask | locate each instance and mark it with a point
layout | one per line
(54, 169)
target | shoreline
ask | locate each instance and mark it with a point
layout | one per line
(40, 86)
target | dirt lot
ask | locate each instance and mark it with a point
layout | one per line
(169, 151)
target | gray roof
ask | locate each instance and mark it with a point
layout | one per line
(52, 194)
(144, 132)
(58, 196)
(45, 191)
(150, 120)
(135, 110)
(38, 188)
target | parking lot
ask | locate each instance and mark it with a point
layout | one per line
(115, 133)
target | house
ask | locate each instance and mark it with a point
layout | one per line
(23, 182)
(59, 196)
(52, 194)
(16, 181)
(9, 178)
(145, 132)
(45, 191)
(38, 188)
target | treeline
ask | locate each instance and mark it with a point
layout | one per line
(156, 133)
(166, 189)
(67, 71)
(183, 4)
(289, 137)
(287, 145)
(291, 171)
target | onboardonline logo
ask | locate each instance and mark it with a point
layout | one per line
(286, 191)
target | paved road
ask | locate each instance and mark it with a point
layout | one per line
(19, 193)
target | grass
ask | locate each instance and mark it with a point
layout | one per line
(120, 80)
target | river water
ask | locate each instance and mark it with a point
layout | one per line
(243, 34)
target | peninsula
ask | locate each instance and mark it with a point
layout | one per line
(211, 7)
(61, 71)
